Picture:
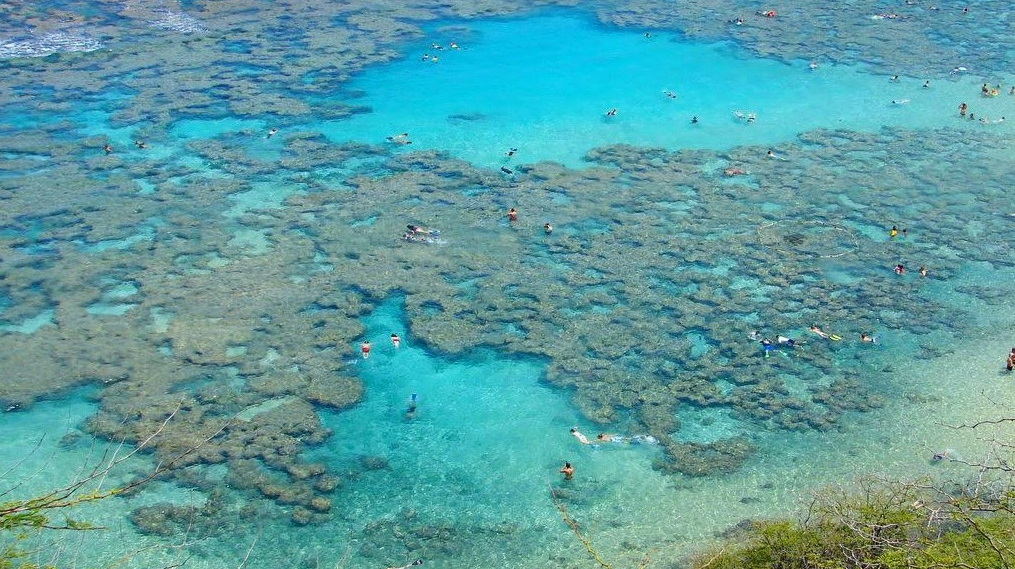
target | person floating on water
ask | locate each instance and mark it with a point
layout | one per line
(767, 347)
(417, 230)
(396, 341)
(567, 470)
(785, 340)
(578, 435)
(413, 564)
(410, 411)
(364, 349)
(824, 334)
(402, 138)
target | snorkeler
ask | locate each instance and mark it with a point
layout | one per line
(868, 339)
(396, 341)
(506, 170)
(767, 347)
(414, 563)
(788, 341)
(410, 412)
(824, 334)
(140, 144)
(402, 138)
(578, 435)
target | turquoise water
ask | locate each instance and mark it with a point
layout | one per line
(226, 274)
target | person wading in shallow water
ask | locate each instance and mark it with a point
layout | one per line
(1010, 365)
(567, 470)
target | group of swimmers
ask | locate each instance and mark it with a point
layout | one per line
(366, 347)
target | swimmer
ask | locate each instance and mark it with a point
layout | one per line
(401, 138)
(506, 170)
(926, 84)
(1012, 91)
(415, 229)
(578, 435)
(547, 228)
(567, 470)
(364, 349)
(923, 271)
(894, 79)
(410, 412)
(750, 118)
(396, 341)
(900, 102)
(788, 341)
(453, 45)
(272, 133)
(730, 172)
(611, 113)
(962, 109)
(669, 94)
(813, 65)
(107, 149)
(140, 144)
(869, 339)
(413, 564)
(899, 269)
(773, 155)
(820, 332)
(512, 215)
(694, 120)
(1010, 364)
(511, 152)
(605, 438)
(893, 231)
(958, 70)
(754, 335)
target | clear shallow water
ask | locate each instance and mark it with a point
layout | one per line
(468, 481)
(543, 87)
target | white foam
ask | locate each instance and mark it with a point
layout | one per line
(47, 44)
(177, 22)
